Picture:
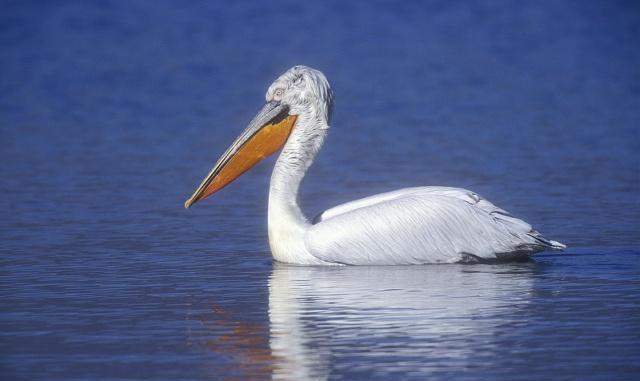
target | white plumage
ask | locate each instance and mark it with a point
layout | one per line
(422, 225)
(408, 226)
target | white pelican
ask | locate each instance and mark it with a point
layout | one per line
(408, 226)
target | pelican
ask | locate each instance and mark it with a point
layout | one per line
(404, 227)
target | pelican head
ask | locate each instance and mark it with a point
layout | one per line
(300, 93)
(303, 90)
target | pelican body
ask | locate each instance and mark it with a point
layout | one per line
(407, 226)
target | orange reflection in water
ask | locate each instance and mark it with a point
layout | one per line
(247, 343)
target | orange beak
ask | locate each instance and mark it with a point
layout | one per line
(266, 134)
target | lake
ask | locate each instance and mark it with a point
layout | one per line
(111, 114)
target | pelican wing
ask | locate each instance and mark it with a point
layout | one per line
(421, 225)
(367, 201)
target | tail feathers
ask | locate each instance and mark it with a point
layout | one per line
(555, 245)
(551, 244)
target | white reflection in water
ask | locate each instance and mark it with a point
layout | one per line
(421, 318)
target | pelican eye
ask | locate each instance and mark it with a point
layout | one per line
(279, 92)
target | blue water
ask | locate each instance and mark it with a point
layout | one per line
(112, 112)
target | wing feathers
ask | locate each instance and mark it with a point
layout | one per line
(421, 225)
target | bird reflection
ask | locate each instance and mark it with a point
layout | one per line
(410, 317)
(387, 320)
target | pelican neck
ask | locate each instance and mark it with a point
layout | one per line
(287, 223)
